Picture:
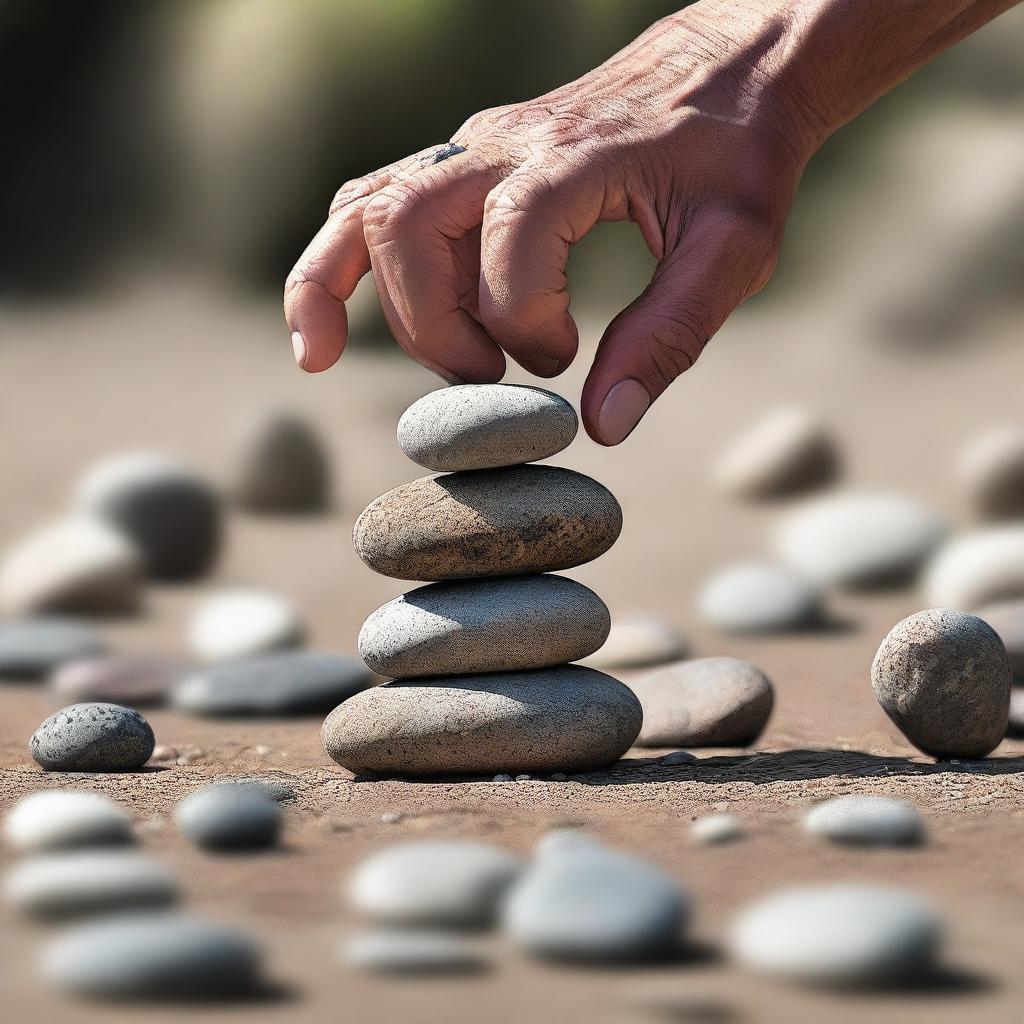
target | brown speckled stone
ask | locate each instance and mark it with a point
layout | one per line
(564, 719)
(493, 522)
(944, 678)
(704, 702)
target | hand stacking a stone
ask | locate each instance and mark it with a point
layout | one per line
(698, 132)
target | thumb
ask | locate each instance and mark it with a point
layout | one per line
(724, 257)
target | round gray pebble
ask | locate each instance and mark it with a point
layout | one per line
(93, 738)
(60, 885)
(498, 625)
(839, 935)
(944, 679)
(977, 569)
(485, 426)
(159, 956)
(32, 648)
(432, 882)
(593, 904)
(57, 819)
(759, 597)
(866, 820)
(229, 816)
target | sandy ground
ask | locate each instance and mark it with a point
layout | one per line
(178, 371)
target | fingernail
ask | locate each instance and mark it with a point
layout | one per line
(622, 410)
(299, 348)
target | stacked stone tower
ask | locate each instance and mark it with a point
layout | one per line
(481, 657)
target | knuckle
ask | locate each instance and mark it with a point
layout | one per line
(677, 338)
(354, 188)
(392, 212)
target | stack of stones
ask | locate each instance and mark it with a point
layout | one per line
(479, 659)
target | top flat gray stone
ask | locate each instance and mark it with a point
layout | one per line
(485, 426)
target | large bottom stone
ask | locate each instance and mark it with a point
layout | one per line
(565, 719)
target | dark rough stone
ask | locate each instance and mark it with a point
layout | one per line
(93, 738)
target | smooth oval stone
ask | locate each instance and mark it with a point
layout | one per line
(1015, 721)
(858, 539)
(944, 679)
(285, 683)
(977, 569)
(991, 474)
(485, 426)
(759, 597)
(173, 516)
(560, 839)
(412, 951)
(61, 819)
(151, 956)
(562, 719)
(716, 828)
(590, 903)
(279, 786)
(229, 817)
(1007, 619)
(35, 647)
(492, 522)
(866, 820)
(434, 882)
(88, 882)
(484, 626)
(282, 467)
(93, 738)
(76, 565)
(786, 452)
(243, 623)
(638, 643)
(705, 702)
(839, 934)
(132, 680)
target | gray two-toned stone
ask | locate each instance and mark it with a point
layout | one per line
(944, 679)
(495, 522)
(284, 683)
(58, 819)
(866, 821)
(500, 625)
(485, 426)
(759, 597)
(704, 702)
(93, 737)
(977, 569)
(562, 719)
(228, 816)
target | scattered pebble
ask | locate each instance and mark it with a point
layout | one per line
(839, 934)
(473, 626)
(33, 648)
(281, 683)
(502, 778)
(93, 738)
(704, 702)
(453, 883)
(277, 786)
(485, 426)
(243, 623)
(944, 679)
(678, 757)
(559, 777)
(171, 514)
(716, 828)
(132, 680)
(758, 597)
(1007, 619)
(493, 522)
(562, 719)
(56, 885)
(281, 467)
(151, 956)
(163, 753)
(75, 565)
(991, 473)
(867, 820)
(523, 778)
(591, 903)
(412, 951)
(977, 569)
(858, 539)
(638, 643)
(228, 816)
(56, 819)
(787, 452)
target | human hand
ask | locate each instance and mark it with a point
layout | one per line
(699, 132)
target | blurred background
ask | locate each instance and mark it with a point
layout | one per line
(166, 163)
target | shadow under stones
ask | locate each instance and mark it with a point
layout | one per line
(789, 765)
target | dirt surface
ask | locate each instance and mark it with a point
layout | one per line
(181, 372)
